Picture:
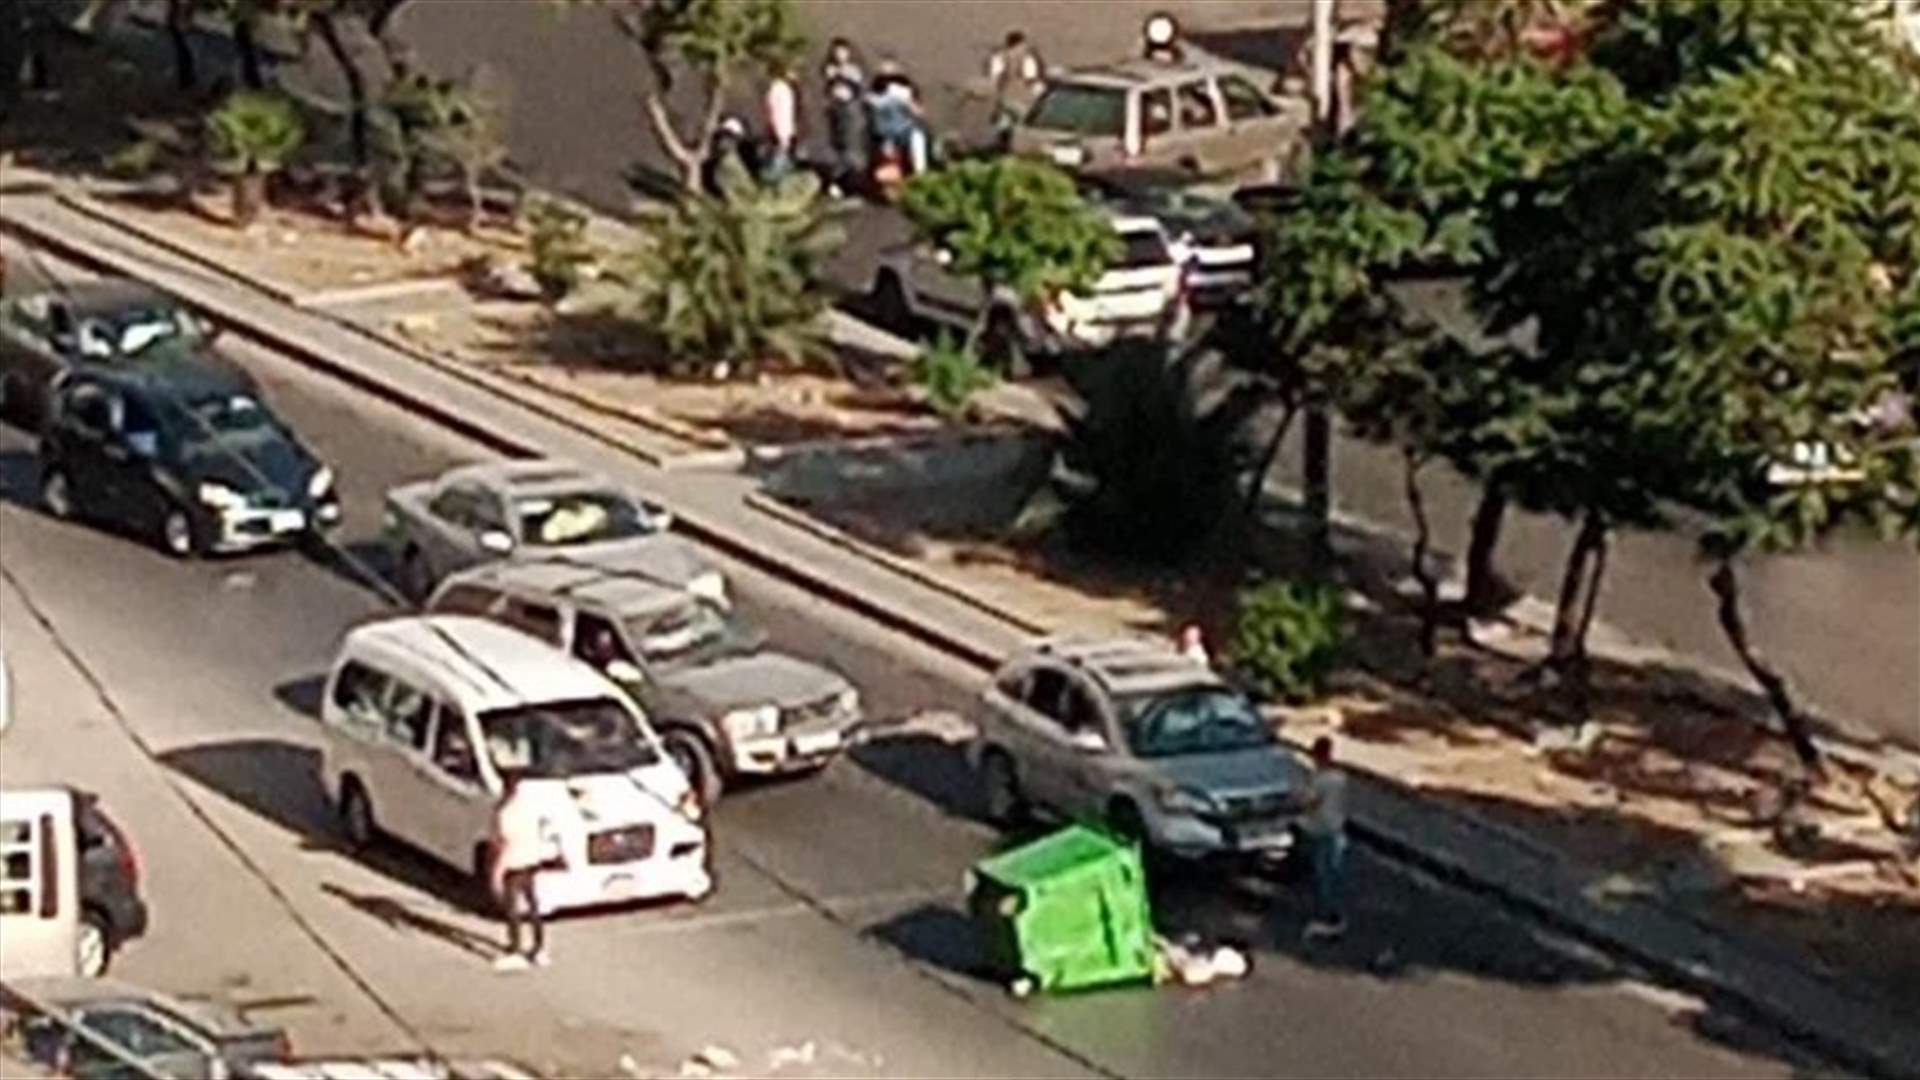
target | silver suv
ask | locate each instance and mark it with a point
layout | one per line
(1133, 733)
(725, 706)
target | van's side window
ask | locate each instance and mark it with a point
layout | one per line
(357, 692)
(17, 879)
(466, 600)
(408, 711)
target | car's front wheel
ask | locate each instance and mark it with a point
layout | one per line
(56, 493)
(696, 759)
(179, 536)
(357, 823)
(93, 945)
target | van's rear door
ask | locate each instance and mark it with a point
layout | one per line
(39, 883)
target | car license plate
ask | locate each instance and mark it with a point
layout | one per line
(1261, 832)
(817, 743)
(286, 521)
(1069, 156)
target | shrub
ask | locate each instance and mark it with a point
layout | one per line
(253, 134)
(558, 241)
(729, 282)
(1288, 636)
(950, 374)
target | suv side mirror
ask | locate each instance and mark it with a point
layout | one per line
(1088, 742)
(496, 541)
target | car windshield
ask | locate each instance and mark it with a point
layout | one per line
(223, 417)
(685, 633)
(1205, 720)
(133, 330)
(1081, 110)
(580, 517)
(555, 740)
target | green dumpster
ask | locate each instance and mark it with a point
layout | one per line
(1066, 912)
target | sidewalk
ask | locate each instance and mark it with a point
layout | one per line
(724, 510)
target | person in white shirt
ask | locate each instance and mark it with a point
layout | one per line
(782, 105)
(1323, 828)
(1018, 76)
(523, 838)
(1193, 645)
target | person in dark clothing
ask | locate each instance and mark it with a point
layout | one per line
(844, 82)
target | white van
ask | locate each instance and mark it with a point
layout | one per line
(39, 883)
(424, 714)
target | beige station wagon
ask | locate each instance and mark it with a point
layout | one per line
(1203, 114)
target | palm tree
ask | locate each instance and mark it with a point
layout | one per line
(252, 135)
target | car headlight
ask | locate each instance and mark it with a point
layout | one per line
(848, 703)
(710, 586)
(1182, 800)
(751, 723)
(221, 497)
(320, 483)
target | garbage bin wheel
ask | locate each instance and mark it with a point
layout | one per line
(1021, 987)
(1006, 805)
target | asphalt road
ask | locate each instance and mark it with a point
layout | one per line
(836, 917)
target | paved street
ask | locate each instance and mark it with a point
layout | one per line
(835, 919)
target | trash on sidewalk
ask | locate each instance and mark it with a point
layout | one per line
(1066, 912)
(1194, 963)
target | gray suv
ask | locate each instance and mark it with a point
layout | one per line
(724, 706)
(1135, 734)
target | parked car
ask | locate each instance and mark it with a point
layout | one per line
(151, 1034)
(725, 706)
(184, 452)
(534, 509)
(114, 321)
(1132, 732)
(424, 717)
(112, 911)
(1140, 295)
(1211, 236)
(1204, 115)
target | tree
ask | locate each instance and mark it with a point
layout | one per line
(465, 127)
(729, 282)
(252, 135)
(1017, 227)
(708, 43)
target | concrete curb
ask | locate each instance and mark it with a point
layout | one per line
(1876, 1060)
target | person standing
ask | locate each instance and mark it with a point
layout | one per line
(782, 104)
(1018, 76)
(1323, 828)
(523, 838)
(1193, 645)
(844, 83)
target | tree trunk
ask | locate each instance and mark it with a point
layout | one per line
(1411, 464)
(251, 72)
(1317, 486)
(356, 88)
(186, 73)
(1725, 583)
(1579, 587)
(1485, 593)
(689, 158)
(1257, 483)
(249, 194)
(476, 207)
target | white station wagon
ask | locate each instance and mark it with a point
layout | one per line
(425, 714)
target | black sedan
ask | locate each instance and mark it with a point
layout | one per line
(182, 451)
(112, 321)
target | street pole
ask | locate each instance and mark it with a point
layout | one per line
(1317, 451)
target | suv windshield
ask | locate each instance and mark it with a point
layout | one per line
(1081, 110)
(580, 517)
(566, 738)
(687, 633)
(131, 331)
(1205, 720)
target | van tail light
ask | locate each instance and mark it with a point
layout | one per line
(282, 1046)
(123, 852)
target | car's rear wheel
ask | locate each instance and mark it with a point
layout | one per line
(695, 758)
(93, 945)
(357, 823)
(179, 537)
(1006, 804)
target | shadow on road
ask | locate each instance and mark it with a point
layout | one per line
(940, 937)
(303, 695)
(281, 782)
(926, 766)
(397, 916)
